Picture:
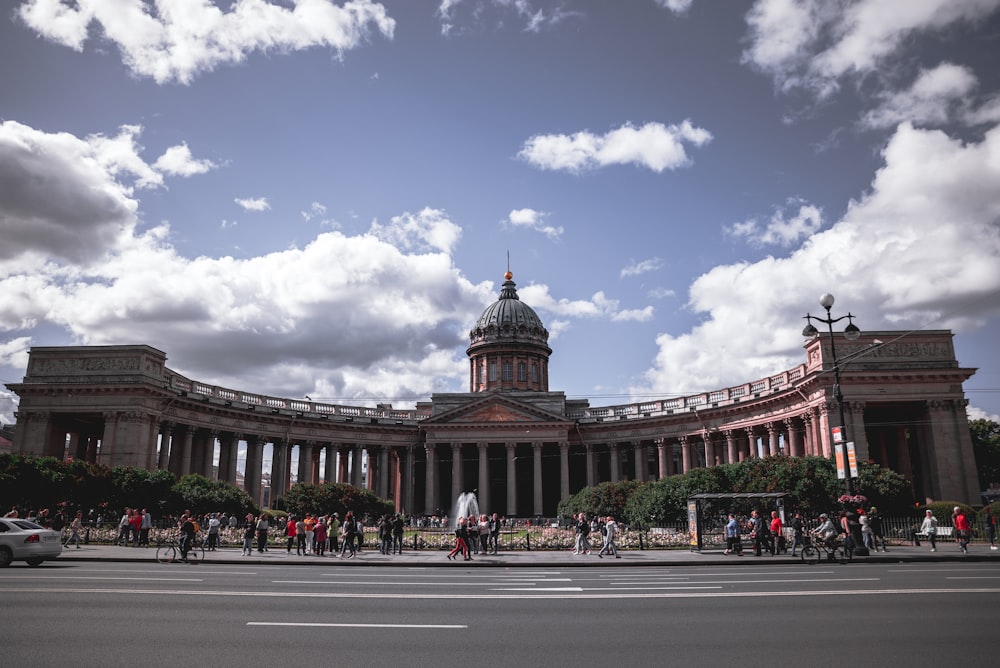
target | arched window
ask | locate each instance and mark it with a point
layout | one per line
(522, 372)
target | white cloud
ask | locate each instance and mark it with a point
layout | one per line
(931, 100)
(780, 230)
(654, 145)
(253, 203)
(661, 293)
(676, 6)
(975, 413)
(178, 161)
(813, 44)
(428, 230)
(457, 16)
(638, 268)
(534, 220)
(921, 249)
(174, 41)
(380, 312)
(598, 306)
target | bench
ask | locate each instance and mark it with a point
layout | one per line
(942, 533)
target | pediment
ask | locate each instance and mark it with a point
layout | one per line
(494, 410)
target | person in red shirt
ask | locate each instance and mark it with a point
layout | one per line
(963, 532)
(777, 537)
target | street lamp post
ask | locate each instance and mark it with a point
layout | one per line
(851, 332)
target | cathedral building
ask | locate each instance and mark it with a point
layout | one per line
(521, 446)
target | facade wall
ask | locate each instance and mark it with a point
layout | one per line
(522, 451)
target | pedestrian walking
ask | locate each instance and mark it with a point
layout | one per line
(75, 527)
(963, 532)
(990, 524)
(930, 527)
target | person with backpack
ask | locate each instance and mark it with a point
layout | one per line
(348, 531)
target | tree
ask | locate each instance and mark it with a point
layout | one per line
(200, 495)
(986, 448)
(330, 498)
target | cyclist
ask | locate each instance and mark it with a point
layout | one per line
(826, 531)
(188, 533)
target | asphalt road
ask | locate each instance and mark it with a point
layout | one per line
(147, 614)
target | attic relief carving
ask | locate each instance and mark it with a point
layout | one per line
(494, 414)
(63, 365)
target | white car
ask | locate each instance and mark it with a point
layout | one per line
(21, 540)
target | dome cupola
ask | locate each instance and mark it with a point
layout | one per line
(508, 347)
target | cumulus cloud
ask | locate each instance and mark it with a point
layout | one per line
(172, 41)
(676, 6)
(931, 100)
(814, 44)
(642, 267)
(178, 161)
(253, 203)
(780, 229)
(459, 16)
(533, 220)
(654, 145)
(381, 313)
(920, 249)
(598, 306)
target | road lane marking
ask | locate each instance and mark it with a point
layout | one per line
(493, 596)
(729, 582)
(539, 589)
(115, 578)
(361, 626)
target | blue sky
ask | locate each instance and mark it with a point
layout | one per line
(318, 198)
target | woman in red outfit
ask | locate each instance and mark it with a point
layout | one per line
(461, 540)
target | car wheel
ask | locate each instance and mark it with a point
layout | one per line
(35, 561)
(6, 556)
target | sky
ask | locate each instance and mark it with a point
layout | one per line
(320, 198)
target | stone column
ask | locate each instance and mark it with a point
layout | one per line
(536, 451)
(484, 476)
(356, 465)
(616, 464)
(383, 472)
(408, 492)
(511, 479)
(685, 453)
(639, 460)
(343, 460)
(163, 462)
(456, 471)
(186, 451)
(563, 470)
(731, 446)
(794, 431)
(752, 442)
(809, 442)
(855, 414)
(279, 469)
(330, 472)
(305, 462)
(952, 461)
(252, 467)
(772, 439)
(591, 467)
(430, 480)
(824, 428)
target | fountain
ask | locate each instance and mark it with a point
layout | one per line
(465, 505)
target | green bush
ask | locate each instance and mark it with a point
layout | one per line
(942, 511)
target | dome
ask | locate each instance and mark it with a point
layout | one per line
(511, 314)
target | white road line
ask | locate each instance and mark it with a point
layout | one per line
(973, 577)
(729, 582)
(494, 583)
(493, 596)
(538, 589)
(114, 578)
(362, 626)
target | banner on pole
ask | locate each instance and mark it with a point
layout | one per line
(838, 451)
(852, 459)
(838, 434)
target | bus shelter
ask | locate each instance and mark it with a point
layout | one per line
(702, 527)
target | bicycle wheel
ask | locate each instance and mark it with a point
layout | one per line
(166, 554)
(810, 555)
(196, 554)
(840, 554)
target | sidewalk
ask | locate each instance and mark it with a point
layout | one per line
(946, 552)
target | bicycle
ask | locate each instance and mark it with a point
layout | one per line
(169, 551)
(811, 551)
